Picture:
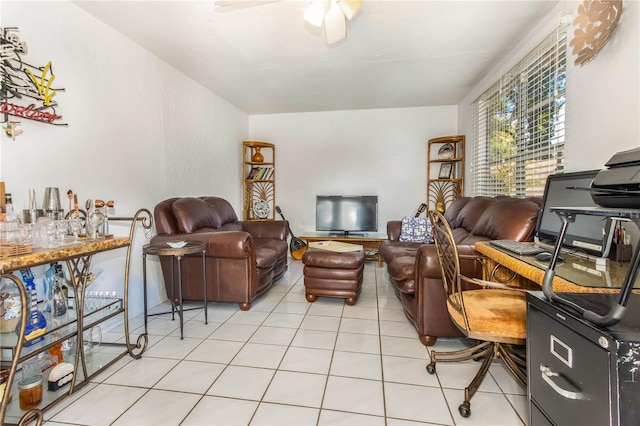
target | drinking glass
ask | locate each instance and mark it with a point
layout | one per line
(75, 225)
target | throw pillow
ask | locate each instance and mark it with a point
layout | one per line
(416, 230)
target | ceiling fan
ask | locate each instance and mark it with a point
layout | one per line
(332, 13)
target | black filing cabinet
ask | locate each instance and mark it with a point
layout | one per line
(579, 373)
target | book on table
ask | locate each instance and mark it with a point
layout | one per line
(336, 246)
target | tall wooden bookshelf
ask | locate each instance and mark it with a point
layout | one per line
(445, 171)
(259, 175)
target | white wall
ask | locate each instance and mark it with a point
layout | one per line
(369, 152)
(603, 97)
(139, 131)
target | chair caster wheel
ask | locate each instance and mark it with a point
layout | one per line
(465, 409)
(431, 368)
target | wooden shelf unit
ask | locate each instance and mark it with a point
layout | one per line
(259, 181)
(445, 171)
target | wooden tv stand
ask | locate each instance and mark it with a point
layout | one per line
(369, 240)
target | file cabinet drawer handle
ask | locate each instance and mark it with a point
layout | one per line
(547, 374)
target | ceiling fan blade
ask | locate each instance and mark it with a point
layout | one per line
(350, 7)
(227, 5)
(335, 24)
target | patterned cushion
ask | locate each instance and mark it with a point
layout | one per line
(416, 230)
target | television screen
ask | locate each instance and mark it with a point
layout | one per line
(353, 213)
(591, 234)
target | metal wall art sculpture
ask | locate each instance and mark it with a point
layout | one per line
(596, 21)
(26, 91)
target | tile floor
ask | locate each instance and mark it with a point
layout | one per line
(290, 362)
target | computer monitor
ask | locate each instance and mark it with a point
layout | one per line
(588, 234)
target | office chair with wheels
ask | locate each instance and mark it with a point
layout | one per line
(491, 313)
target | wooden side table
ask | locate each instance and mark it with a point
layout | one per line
(176, 254)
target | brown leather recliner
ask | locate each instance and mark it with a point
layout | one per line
(243, 258)
(414, 268)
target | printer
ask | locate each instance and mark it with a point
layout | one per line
(618, 185)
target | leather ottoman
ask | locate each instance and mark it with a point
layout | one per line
(333, 274)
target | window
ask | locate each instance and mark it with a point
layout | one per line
(519, 124)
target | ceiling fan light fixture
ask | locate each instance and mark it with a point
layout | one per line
(350, 7)
(335, 24)
(315, 13)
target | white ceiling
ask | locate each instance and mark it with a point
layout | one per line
(265, 59)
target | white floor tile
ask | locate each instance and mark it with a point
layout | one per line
(307, 360)
(173, 347)
(401, 402)
(159, 407)
(316, 322)
(486, 409)
(404, 346)
(248, 317)
(354, 395)
(292, 308)
(143, 372)
(354, 342)
(276, 414)
(315, 339)
(408, 370)
(293, 388)
(330, 417)
(355, 325)
(281, 319)
(354, 364)
(273, 335)
(260, 355)
(91, 408)
(190, 376)
(361, 312)
(242, 382)
(327, 306)
(212, 410)
(210, 350)
(235, 332)
(398, 329)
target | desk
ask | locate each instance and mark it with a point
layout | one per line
(370, 241)
(575, 275)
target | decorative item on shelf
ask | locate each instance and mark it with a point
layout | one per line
(10, 306)
(59, 376)
(446, 170)
(446, 151)
(596, 21)
(36, 323)
(261, 209)
(257, 156)
(108, 205)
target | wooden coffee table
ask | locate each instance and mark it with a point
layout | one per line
(369, 241)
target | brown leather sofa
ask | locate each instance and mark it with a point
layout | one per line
(414, 269)
(243, 258)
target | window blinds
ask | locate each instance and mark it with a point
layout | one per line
(518, 128)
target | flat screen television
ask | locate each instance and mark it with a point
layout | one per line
(590, 234)
(347, 214)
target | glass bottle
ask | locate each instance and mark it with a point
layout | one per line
(10, 213)
(58, 298)
(65, 285)
(47, 281)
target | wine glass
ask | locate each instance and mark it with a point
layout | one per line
(75, 225)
